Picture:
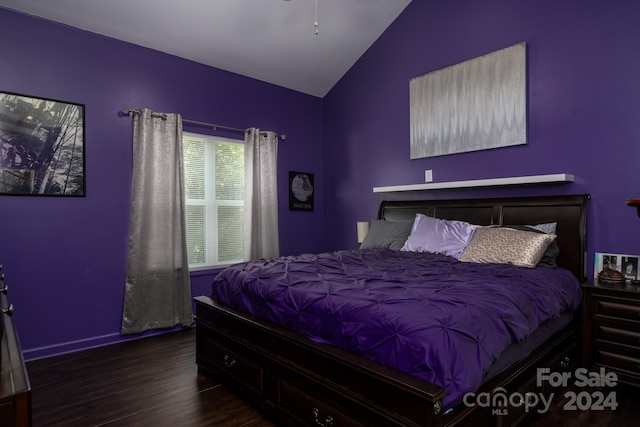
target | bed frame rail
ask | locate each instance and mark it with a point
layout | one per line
(272, 365)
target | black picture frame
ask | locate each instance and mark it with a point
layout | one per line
(42, 150)
(301, 191)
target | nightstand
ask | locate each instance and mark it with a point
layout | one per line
(611, 329)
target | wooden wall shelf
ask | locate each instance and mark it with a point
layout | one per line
(516, 180)
(634, 203)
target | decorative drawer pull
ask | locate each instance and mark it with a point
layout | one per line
(229, 362)
(565, 363)
(9, 310)
(327, 421)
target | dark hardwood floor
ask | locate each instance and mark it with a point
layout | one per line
(147, 382)
(154, 382)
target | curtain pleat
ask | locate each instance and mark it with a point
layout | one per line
(261, 195)
(157, 289)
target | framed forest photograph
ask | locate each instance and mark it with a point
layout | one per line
(41, 146)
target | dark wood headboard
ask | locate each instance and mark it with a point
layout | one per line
(570, 212)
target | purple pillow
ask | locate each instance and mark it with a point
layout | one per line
(439, 235)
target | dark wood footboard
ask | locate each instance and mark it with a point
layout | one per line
(560, 353)
(300, 382)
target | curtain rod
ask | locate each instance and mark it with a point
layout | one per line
(130, 111)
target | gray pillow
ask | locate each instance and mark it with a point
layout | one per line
(386, 234)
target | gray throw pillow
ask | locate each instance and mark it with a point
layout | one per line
(387, 234)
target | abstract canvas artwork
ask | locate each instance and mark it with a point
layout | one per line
(474, 105)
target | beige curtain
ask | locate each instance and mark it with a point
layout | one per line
(157, 290)
(261, 195)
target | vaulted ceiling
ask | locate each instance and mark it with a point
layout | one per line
(270, 40)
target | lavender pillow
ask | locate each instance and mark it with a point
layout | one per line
(439, 235)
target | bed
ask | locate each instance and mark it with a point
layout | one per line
(324, 377)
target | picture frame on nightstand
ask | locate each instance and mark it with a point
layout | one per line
(624, 263)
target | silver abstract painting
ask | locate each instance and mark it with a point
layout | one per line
(475, 105)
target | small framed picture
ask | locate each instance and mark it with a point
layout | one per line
(630, 267)
(623, 263)
(301, 191)
(41, 146)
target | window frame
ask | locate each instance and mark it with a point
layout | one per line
(210, 202)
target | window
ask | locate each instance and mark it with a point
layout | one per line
(214, 186)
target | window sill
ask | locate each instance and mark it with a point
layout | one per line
(205, 271)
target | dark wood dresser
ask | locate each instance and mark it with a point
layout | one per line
(15, 391)
(611, 329)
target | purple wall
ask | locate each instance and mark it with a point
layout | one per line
(65, 258)
(583, 74)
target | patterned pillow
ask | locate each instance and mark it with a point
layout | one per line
(553, 250)
(506, 246)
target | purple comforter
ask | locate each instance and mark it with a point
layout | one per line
(429, 315)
